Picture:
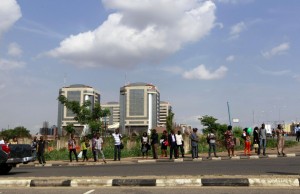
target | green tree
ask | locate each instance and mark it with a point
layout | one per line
(210, 123)
(169, 121)
(19, 131)
(85, 114)
(70, 129)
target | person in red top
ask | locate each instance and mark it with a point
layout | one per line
(72, 147)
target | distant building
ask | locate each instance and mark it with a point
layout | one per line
(113, 120)
(139, 107)
(46, 130)
(79, 93)
(163, 113)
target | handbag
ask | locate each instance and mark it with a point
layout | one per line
(121, 146)
(166, 143)
(255, 145)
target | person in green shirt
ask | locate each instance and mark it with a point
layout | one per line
(84, 147)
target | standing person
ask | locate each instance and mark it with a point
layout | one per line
(34, 147)
(173, 145)
(164, 144)
(154, 143)
(180, 143)
(194, 143)
(247, 150)
(280, 140)
(145, 144)
(72, 147)
(84, 147)
(41, 150)
(117, 150)
(98, 148)
(256, 139)
(211, 137)
(297, 132)
(229, 140)
(262, 139)
(14, 140)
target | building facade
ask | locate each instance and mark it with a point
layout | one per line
(113, 120)
(79, 93)
(139, 107)
(163, 113)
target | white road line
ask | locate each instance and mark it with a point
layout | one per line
(90, 191)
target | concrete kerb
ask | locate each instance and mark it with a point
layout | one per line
(158, 181)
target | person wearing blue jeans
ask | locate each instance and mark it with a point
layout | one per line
(262, 139)
(117, 150)
(194, 143)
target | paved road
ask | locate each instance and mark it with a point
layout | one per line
(266, 166)
(152, 190)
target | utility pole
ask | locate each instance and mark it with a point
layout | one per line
(228, 113)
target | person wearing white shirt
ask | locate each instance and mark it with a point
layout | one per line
(180, 143)
(97, 148)
(117, 150)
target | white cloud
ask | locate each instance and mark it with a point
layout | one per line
(201, 72)
(274, 73)
(173, 69)
(236, 29)
(14, 50)
(10, 64)
(10, 12)
(230, 58)
(278, 50)
(139, 32)
(234, 1)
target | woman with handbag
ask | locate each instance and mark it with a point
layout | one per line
(164, 144)
(256, 139)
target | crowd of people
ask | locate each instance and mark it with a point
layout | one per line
(172, 141)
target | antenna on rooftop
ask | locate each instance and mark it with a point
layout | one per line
(65, 79)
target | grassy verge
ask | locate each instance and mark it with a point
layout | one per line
(135, 151)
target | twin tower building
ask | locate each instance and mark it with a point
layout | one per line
(139, 108)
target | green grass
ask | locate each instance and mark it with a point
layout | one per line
(108, 148)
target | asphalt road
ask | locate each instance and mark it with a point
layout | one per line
(267, 166)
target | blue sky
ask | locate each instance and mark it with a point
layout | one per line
(200, 55)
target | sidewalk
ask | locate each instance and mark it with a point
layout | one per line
(270, 153)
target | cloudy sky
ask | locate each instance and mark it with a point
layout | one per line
(200, 54)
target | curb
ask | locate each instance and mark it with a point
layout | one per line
(160, 182)
(253, 157)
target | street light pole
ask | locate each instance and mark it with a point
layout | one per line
(229, 113)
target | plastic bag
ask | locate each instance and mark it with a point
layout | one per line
(80, 154)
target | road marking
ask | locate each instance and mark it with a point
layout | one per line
(90, 191)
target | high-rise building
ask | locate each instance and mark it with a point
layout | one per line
(163, 113)
(139, 107)
(114, 109)
(79, 93)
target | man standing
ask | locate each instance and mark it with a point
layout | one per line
(41, 150)
(173, 145)
(72, 147)
(154, 143)
(262, 139)
(194, 143)
(297, 132)
(97, 148)
(34, 147)
(211, 138)
(117, 150)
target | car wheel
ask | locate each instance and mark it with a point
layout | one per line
(5, 169)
